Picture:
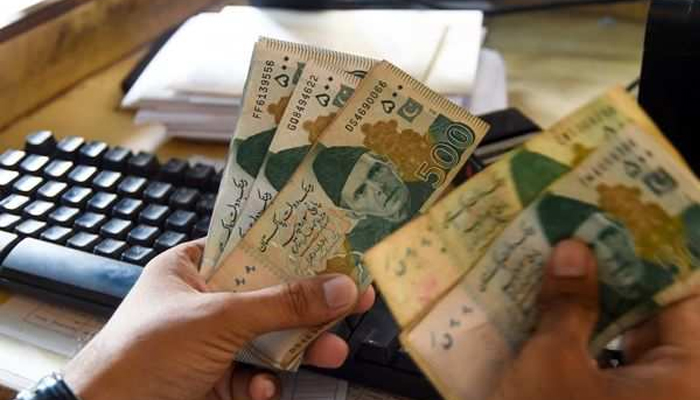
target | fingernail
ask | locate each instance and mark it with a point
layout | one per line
(268, 388)
(570, 260)
(339, 291)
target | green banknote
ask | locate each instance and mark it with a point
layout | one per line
(418, 263)
(638, 208)
(274, 71)
(323, 89)
(389, 154)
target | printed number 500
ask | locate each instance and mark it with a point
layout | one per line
(445, 155)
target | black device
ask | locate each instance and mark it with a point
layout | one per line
(669, 88)
(79, 219)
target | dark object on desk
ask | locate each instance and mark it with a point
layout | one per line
(489, 7)
(669, 89)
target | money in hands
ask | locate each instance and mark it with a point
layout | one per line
(605, 176)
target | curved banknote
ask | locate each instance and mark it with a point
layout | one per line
(418, 263)
(322, 90)
(274, 71)
(389, 154)
(633, 202)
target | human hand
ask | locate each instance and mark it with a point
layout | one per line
(171, 340)
(663, 353)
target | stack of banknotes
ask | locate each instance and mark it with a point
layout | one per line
(338, 163)
(462, 279)
(332, 153)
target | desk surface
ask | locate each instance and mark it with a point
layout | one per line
(556, 61)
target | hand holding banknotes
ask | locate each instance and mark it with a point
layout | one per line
(171, 340)
(663, 353)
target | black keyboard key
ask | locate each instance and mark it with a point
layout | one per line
(198, 176)
(13, 203)
(39, 209)
(52, 191)
(8, 221)
(138, 255)
(132, 186)
(205, 205)
(174, 171)
(184, 198)
(168, 240)
(201, 228)
(56, 234)
(158, 192)
(82, 175)
(10, 159)
(77, 196)
(215, 182)
(143, 235)
(154, 214)
(90, 222)
(67, 148)
(110, 248)
(102, 202)
(116, 228)
(181, 221)
(27, 185)
(143, 164)
(41, 142)
(107, 181)
(7, 178)
(92, 152)
(33, 163)
(116, 158)
(58, 169)
(83, 241)
(64, 216)
(77, 276)
(30, 227)
(127, 208)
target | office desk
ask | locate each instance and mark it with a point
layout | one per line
(556, 61)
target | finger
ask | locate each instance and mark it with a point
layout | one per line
(366, 301)
(327, 351)
(304, 303)
(639, 340)
(249, 383)
(265, 386)
(568, 301)
(679, 325)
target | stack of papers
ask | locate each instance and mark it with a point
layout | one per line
(193, 86)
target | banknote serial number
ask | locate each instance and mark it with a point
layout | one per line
(361, 111)
(263, 89)
(300, 106)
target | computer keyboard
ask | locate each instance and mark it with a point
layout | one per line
(99, 213)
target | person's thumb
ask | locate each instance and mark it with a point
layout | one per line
(304, 303)
(568, 301)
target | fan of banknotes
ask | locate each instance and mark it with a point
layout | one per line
(337, 165)
(332, 153)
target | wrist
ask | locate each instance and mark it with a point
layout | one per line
(52, 387)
